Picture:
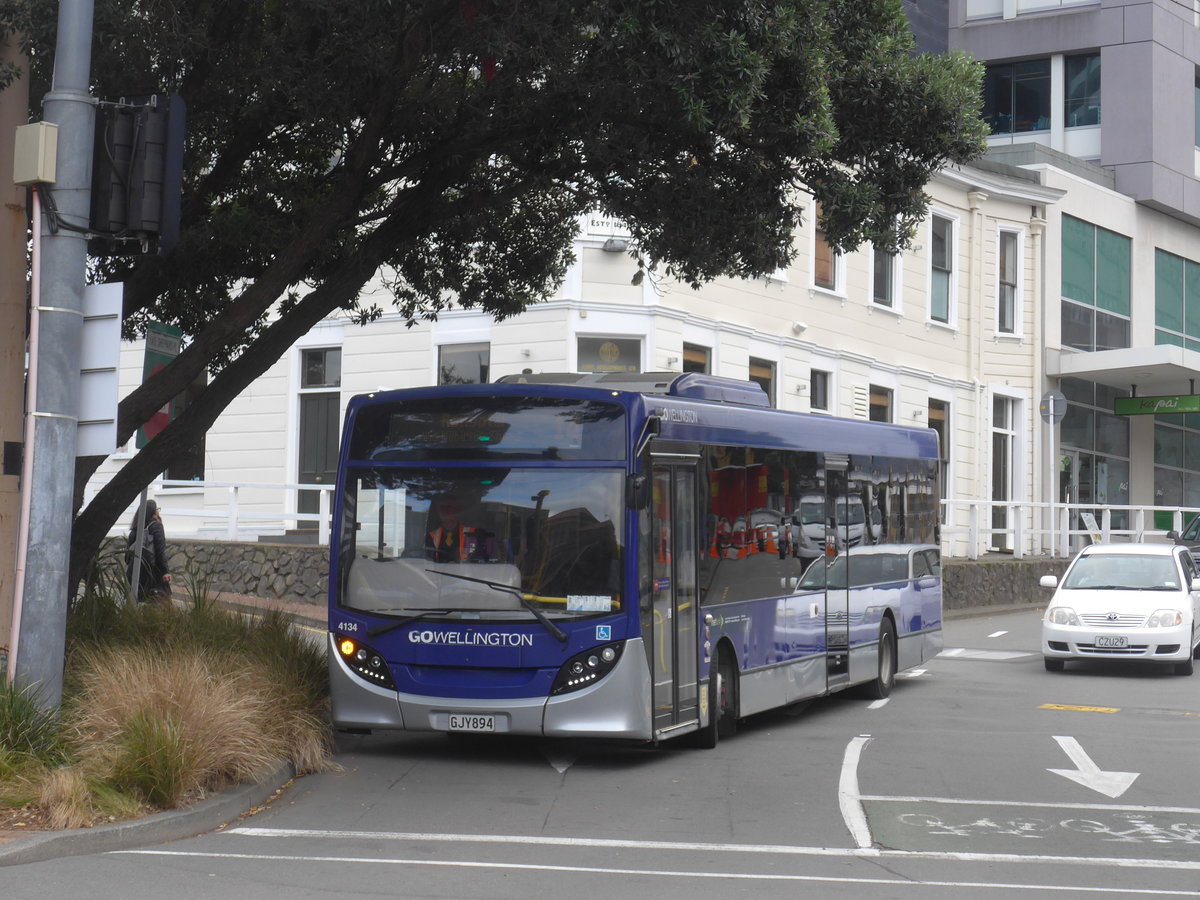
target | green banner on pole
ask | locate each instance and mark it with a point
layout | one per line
(162, 346)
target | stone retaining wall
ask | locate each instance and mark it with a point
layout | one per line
(301, 573)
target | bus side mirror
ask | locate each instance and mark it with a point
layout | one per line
(637, 491)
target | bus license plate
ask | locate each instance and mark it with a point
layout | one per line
(1114, 641)
(472, 723)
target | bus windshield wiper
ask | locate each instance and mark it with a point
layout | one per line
(416, 617)
(526, 600)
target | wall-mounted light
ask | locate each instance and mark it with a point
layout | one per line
(801, 387)
(799, 327)
(615, 245)
(671, 360)
(918, 414)
(526, 353)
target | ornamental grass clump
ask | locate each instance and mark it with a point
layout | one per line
(176, 726)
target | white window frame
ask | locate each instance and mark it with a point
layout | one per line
(1018, 236)
(953, 257)
(839, 262)
(897, 267)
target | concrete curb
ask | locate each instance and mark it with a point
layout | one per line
(173, 825)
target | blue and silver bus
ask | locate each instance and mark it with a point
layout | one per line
(621, 555)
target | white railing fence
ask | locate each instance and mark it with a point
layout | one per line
(248, 511)
(232, 511)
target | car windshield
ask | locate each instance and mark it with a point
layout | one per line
(1126, 571)
(481, 542)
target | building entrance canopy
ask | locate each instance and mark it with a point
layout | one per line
(1144, 371)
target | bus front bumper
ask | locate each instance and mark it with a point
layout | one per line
(617, 706)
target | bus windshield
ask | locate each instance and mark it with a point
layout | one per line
(481, 542)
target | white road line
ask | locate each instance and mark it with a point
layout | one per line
(1111, 807)
(878, 704)
(848, 800)
(954, 651)
(662, 873)
(997, 634)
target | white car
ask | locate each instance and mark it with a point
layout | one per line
(1125, 601)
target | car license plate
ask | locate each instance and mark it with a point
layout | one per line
(1113, 641)
(472, 723)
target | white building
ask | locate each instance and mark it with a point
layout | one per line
(1036, 271)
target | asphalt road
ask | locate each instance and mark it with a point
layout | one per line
(982, 776)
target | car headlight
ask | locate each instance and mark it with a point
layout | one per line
(1165, 618)
(1061, 615)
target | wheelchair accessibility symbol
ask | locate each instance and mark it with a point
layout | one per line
(604, 632)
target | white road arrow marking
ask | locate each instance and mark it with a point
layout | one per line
(1087, 773)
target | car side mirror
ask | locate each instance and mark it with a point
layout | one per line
(1172, 535)
(1049, 581)
(1196, 583)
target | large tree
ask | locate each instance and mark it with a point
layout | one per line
(453, 143)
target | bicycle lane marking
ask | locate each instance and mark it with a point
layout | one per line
(1100, 831)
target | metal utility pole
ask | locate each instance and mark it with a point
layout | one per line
(54, 362)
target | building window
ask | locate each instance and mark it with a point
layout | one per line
(321, 368)
(1003, 445)
(1016, 96)
(1176, 464)
(939, 419)
(825, 261)
(1176, 301)
(881, 404)
(762, 373)
(463, 363)
(1082, 90)
(818, 388)
(189, 464)
(1007, 295)
(941, 269)
(1196, 103)
(1094, 449)
(696, 359)
(1095, 286)
(319, 426)
(609, 354)
(883, 278)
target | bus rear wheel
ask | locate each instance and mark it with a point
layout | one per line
(885, 678)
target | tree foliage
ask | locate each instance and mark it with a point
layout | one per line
(454, 143)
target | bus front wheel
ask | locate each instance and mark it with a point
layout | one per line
(722, 703)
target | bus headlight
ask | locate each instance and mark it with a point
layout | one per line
(585, 668)
(365, 661)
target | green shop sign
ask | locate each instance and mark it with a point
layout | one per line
(1149, 406)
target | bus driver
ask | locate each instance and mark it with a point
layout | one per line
(451, 541)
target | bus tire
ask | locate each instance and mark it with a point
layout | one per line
(722, 703)
(885, 678)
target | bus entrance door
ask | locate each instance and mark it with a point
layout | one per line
(674, 645)
(837, 595)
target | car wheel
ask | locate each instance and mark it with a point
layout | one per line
(1186, 667)
(1053, 665)
(881, 686)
